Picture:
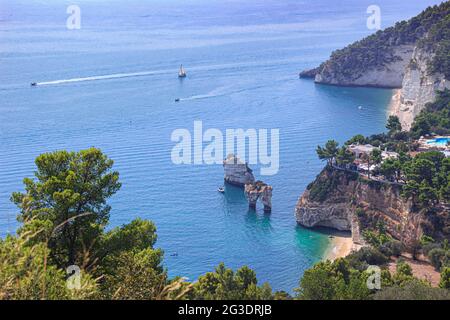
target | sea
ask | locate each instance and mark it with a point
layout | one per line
(107, 76)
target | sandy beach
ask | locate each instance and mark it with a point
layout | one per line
(394, 105)
(340, 247)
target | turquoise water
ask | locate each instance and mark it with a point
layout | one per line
(242, 59)
(439, 141)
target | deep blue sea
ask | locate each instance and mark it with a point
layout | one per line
(242, 59)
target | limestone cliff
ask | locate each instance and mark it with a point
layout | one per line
(387, 75)
(418, 88)
(344, 201)
(411, 56)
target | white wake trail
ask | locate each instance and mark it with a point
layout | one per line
(103, 77)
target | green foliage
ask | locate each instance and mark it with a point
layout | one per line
(324, 185)
(375, 156)
(358, 139)
(317, 283)
(393, 125)
(329, 152)
(435, 118)
(333, 281)
(345, 156)
(444, 283)
(136, 275)
(425, 240)
(392, 248)
(224, 284)
(366, 256)
(403, 268)
(137, 235)
(391, 168)
(26, 273)
(439, 41)
(346, 278)
(439, 258)
(376, 238)
(427, 178)
(412, 290)
(69, 196)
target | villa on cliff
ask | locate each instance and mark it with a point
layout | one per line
(362, 151)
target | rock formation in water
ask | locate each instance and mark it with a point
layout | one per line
(411, 56)
(237, 172)
(259, 190)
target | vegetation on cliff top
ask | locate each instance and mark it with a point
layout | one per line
(430, 30)
(435, 118)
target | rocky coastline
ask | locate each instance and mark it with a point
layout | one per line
(407, 58)
(400, 57)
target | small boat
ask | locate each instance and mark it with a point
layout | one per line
(221, 190)
(175, 254)
(182, 72)
(177, 100)
(360, 108)
(33, 84)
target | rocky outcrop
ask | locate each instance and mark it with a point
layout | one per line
(309, 74)
(345, 201)
(388, 75)
(237, 172)
(259, 190)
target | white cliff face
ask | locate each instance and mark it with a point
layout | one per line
(418, 88)
(346, 197)
(237, 172)
(336, 216)
(409, 73)
(388, 76)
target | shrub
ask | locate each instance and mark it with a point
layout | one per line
(412, 290)
(392, 248)
(366, 256)
(445, 278)
(438, 258)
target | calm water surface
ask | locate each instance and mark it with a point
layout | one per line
(242, 59)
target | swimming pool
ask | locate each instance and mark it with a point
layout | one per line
(439, 141)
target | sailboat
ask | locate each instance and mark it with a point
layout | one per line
(181, 73)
